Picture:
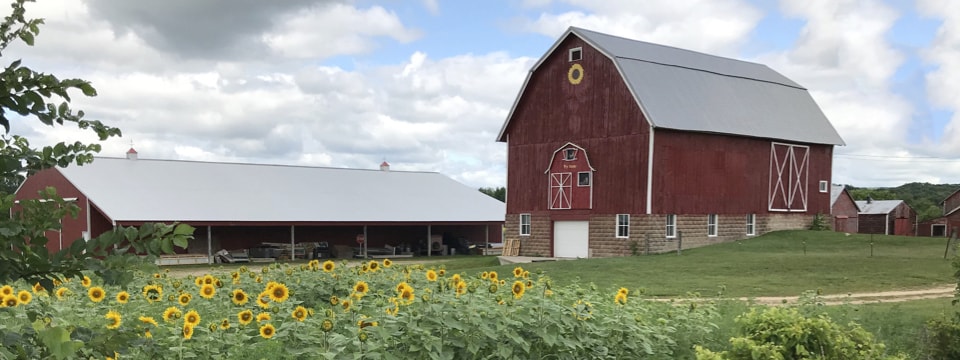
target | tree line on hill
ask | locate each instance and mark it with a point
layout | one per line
(924, 198)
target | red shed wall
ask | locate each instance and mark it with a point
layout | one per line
(698, 173)
(953, 223)
(845, 214)
(951, 202)
(73, 228)
(599, 114)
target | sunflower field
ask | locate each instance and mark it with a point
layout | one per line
(374, 310)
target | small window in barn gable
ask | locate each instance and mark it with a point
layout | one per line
(671, 225)
(751, 224)
(524, 224)
(623, 225)
(712, 225)
(569, 154)
(583, 178)
(824, 186)
(576, 54)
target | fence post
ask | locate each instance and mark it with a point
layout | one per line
(646, 244)
(679, 241)
(950, 240)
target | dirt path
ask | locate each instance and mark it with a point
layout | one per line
(944, 291)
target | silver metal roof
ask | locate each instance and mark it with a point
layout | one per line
(690, 91)
(877, 207)
(167, 190)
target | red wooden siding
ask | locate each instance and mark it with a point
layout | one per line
(900, 221)
(845, 214)
(599, 115)
(952, 202)
(72, 228)
(699, 173)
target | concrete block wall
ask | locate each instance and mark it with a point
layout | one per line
(648, 232)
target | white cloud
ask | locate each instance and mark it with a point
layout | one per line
(943, 88)
(713, 26)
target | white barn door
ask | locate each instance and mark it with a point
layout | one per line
(571, 239)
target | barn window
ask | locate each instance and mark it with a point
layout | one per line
(623, 225)
(751, 224)
(824, 186)
(712, 225)
(576, 54)
(570, 154)
(671, 225)
(583, 178)
(524, 224)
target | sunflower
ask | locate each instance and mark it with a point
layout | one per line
(279, 293)
(461, 288)
(361, 287)
(329, 266)
(517, 271)
(621, 298)
(493, 288)
(245, 317)
(431, 275)
(334, 300)
(24, 297)
(10, 301)
(218, 283)
(198, 281)
(263, 300)
(209, 279)
(85, 281)
(122, 297)
(191, 318)
(623, 291)
(239, 297)
(207, 291)
(171, 313)
(582, 310)
(96, 294)
(326, 325)
(6, 290)
(407, 295)
(455, 278)
(267, 331)
(184, 299)
(401, 286)
(492, 276)
(517, 289)
(484, 275)
(114, 319)
(147, 334)
(153, 293)
(148, 320)
(62, 292)
(387, 263)
(374, 265)
(264, 316)
(224, 324)
(300, 313)
(37, 288)
(346, 305)
(187, 331)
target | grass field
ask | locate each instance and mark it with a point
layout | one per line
(771, 265)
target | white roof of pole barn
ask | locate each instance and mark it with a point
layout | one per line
(878, 207)
(168, 190)
(686, 90)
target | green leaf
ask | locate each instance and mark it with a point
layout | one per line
(27, 37)
(88, 89)
(166, 245)
(57, 340)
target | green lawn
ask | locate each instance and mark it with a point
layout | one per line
(770, 265)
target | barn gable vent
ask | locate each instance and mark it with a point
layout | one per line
(576, 54)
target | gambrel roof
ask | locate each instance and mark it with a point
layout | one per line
(690, 91)
(169, 190)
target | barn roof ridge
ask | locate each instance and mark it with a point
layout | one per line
(264, 164)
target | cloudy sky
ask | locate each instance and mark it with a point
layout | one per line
(426, 84)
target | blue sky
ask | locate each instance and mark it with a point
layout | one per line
(426, 84)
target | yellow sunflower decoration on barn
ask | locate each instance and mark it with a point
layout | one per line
(575, 74)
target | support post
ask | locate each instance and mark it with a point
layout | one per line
(486, 239)
(293, 246)
(366, 241)
(429, 240)
(679, 241)
(950, 240)
(209, 245)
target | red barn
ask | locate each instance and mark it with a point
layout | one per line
(239, 206)
(951, 213)
(844, 210)
(889, 217)
(616, 145)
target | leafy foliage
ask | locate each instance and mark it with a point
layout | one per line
(499, 193)
(945, 331)
(23, 235)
